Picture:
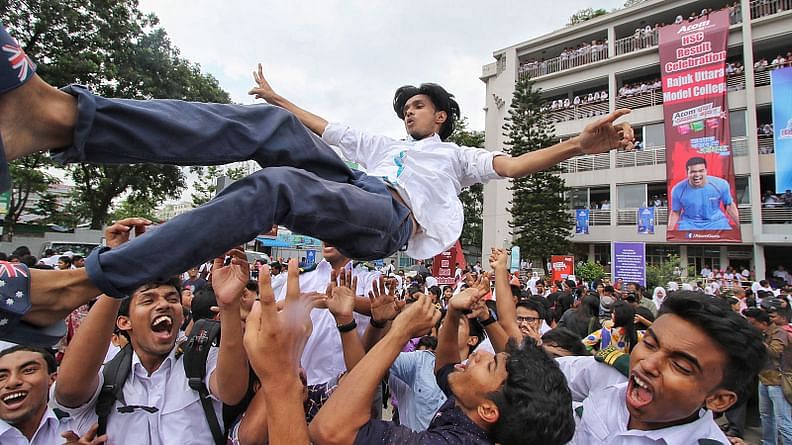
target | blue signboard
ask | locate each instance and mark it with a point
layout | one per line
(629, 262)
(310, 257)
(646, 220)
(782, 127)
(582, 221)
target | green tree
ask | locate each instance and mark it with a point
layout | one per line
(590, 271)
(472, 197)
(668, 270)
(30, 178)
(541, 222)
(205, 185)
(135, 206)
(585, 14)
(117, 51)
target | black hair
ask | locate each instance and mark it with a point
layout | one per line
(21, 251)
(589, 307)
(442, 100)
(252, 285)
(49, 357)
(202, 302)
(740, 342)
(533, 305)
(65, 259)
(516, 291)
(475, 330)
(757, 314)
(428, 342)
(435, 290)
(624, 317)
(609, 289)
(28, 260)
(566, 339)
(696, 160)
(784, 313)
(534, 401)
(123, 310)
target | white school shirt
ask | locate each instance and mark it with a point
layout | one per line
(179, 418)
(429, 174)
(604, 417)
(48, 432)
(323, 355)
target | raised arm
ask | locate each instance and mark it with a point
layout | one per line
(349, 408)
(263, 90)
(599, 136)
(507, 312)
(341, 303)
(78, 375)
(447, 351)
(229, 381)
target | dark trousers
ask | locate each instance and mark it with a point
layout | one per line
(303, 185)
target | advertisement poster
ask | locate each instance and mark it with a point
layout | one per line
(782, 127)
(582, 221)
(629, 262)
(646, 220)
(563, 266)
(444, 264)
(699, 162)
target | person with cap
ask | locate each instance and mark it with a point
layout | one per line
(308, 187)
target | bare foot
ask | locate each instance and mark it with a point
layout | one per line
(36, 117)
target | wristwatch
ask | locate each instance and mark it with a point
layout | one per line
(347, 327)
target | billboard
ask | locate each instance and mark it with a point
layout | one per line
(781, 80)
(444, 264)
(582, 221)
(629, 262)
(563, 266)
(699, 163)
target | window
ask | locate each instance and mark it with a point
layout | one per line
(704, 255)
(632, 196)
(658, 254)
(742, 186)
(578, 198)
(654, 135)
(737, 123)
(602, 254)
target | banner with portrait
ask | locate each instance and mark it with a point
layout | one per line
(702, 203)
(781, 80)
(646, 220)
(582, 221)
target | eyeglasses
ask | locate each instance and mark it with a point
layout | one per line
(529, 320)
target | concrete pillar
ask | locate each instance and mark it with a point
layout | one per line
(591, 252)
(683, 259)
(759, 262)
(724, 257)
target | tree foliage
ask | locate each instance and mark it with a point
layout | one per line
(472, 197)
(586, 14)
(117, 51)
(590, 271)
(668, 270)
(541, 222)
(30, 177)
(205, 185)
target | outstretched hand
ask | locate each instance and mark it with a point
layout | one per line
(229, 281)
(262, 90)
(382, 296)
(603, 135)
(341, 296)
(118, 233)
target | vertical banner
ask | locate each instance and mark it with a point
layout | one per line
(582, 221)
(699, 163)
(310, 257)
(629, 262)
(781, 80)
(515, 259)
(646, 220)
(444, 264)
(563, 266)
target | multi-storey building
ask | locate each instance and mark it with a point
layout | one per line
(612, 62)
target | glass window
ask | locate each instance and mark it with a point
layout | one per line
(654, 135)
(742, 186)
(658, 254)
(602, 254)
(704, 255)
(632, 196)
(578, 198)
(737, 123)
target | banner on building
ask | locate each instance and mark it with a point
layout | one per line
(444, 264)
(646, 220)
(515, 259)
(782, 127)
(629, 262)
(563, 266)
(582, 221)
(699, 163)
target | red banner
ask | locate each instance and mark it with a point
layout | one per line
(702, 205)
(563, 266)
(444, 265)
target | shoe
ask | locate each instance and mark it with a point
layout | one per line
(16, 68)
(15, 303)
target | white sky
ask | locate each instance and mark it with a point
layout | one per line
(343, 60)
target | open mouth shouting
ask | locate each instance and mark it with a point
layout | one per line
(14, 399)
(639, 392)
(162, 326)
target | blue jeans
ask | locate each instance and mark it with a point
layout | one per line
(776, 415)
(303, 185)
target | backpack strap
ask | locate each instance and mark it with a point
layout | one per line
(204, 335)
(115, 373)
(709, 442)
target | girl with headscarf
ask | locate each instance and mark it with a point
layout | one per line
(659, 296)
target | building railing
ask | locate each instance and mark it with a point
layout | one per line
(735, 82)
(641, 100)
(764, 8)
(586, 163)
(637, 41)
(739, 146)
(629, 217)
(777, 215)
(597, 217)
(766, 145)
(579, 112)
(563, 62)
(635, 158)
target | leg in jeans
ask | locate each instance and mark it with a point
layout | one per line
(769, 431)
(782, 411)
(360, 218)
(123, 131)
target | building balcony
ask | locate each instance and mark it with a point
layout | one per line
(629, 217)
(575, 112)
(635, 158)
(637, 42)
(586, 163)
(562, 62)
(765, 8)
(776, 215)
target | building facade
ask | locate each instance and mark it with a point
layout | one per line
(612, 62)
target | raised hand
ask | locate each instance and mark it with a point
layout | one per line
(341, 297)
(229, 281)
(89, 438)
(465, 300)
(383, 300)
(262, 90)
(417, 318)
(603, 135)
(499, 259)
(118, 233)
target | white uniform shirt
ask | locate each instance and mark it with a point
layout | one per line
(179, 418)
(603, 392)
(323, 356)
(48, 432)
(429, 174)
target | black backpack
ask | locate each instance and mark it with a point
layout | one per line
(204, 335)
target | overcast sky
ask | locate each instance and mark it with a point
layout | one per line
(343, 60)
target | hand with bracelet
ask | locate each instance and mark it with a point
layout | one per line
(341, 299)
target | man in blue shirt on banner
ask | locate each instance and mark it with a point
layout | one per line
(696, 202)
